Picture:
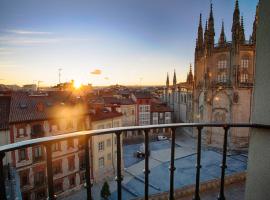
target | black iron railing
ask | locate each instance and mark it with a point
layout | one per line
(47, 141)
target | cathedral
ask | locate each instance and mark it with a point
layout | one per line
(224, 78)
(222, 85)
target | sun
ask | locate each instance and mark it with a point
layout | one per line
(77, 84)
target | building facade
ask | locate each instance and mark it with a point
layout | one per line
(179, 98)
(54, 113)
(224, 77)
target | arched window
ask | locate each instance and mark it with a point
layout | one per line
(244, 65)
(222, 71)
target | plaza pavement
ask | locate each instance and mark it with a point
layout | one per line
(159, 161)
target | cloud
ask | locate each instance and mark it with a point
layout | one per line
(27, 32)
(96, 72)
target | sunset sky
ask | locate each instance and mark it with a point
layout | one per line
(105, 41)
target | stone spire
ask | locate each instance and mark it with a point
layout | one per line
(174, 78)
(236, 27)
(190, 75)
(242, 37)
(200, 35)
(205, 44)
(167, 81)
(222, 37)
(255, 24)
(211, 29)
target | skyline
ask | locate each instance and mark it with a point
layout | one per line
(104, 44)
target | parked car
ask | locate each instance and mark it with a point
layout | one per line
(161, 137)
(140, 154)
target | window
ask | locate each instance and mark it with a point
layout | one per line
(71, 163)
(24, 177)
(39, 178)
(244, 78)
(82, 163)
(37, 131)
(41, 194)
(222, 77)
(81, 142)
(56, 146)
(69, 124)
(22, 154)
(100, 126)
(109, 143)
(82, 176)
(21, 132)
(101, 146)
(222, 64)
(167, 114)
(80, 125)
(244, 63)
(101, 162)
(57, 167)
(38, 154)
(70, 143)
(58, 186)
(109, 156)
(26, 195)
(54, 128)
(72, 181)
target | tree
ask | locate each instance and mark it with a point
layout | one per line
(105, 191)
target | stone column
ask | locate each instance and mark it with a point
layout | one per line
(258, 175)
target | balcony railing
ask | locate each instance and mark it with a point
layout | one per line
(47, 141)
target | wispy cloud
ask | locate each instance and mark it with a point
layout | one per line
(96, 72)
(20, 40)
(27, 32)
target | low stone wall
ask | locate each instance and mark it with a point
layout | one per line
(204, 186)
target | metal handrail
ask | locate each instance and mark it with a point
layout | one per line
(47, 141)
(37, 141)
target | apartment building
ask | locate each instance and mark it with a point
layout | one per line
(47, 114)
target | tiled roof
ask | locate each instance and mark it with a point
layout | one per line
(160, 107)
(142, 95)
(104, 114)
(114, 100)
(4, 112)
(25, 107)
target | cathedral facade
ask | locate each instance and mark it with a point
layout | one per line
(224, 78)
(178, 97)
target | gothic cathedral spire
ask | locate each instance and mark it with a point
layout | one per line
(222, 38)
(174, 79)
(205, 44)
(211, 29)
(236, 27)
(242, 37)
(167, 81)
(255, 24)
(200, 35)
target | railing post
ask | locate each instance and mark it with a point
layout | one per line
(172, 167)
(2, 178)
(87, 167)
(49, 171)
(198, 165)
(223, 166)
(119, 176)
(146, 164)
